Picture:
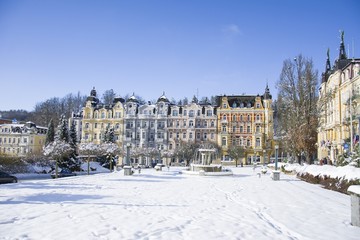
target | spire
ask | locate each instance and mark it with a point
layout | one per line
(326, 74)
(267, 94)
(342, 53)
(328, 66)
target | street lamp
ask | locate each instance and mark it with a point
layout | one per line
(127, 162)
(160, 155)
(127, 167)
(264, 151)
(276, 156)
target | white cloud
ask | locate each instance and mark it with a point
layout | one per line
(232, 29)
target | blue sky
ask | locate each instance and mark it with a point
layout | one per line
(52, 48)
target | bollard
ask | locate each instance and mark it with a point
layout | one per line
(354, 191)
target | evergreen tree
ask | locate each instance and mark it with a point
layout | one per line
(73, 136)
(50, 135)
(63, 131)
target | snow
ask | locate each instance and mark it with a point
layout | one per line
(169, 205)
(346, 172)
(354, 189)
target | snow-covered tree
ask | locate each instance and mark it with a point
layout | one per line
(110, 150)
(109, 135)
(62, 130)
(58, 150)
(89, 149)
(73, 135)
(50, 135)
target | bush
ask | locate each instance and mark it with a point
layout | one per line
(336, 184)
(12, 164)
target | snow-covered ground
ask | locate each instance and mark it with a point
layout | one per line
(169, 205)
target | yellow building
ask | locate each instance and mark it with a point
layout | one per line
(97, 117)
(339, 103)
(246, 121)
(21, 139)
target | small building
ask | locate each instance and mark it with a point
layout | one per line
(18, 139)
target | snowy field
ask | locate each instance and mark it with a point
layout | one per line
(169, 205)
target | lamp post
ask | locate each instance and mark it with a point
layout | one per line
(276, 156)
(127, 162)
(127, 167)
(264, 156)
(160, 161)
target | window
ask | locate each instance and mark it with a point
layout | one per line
(198, 135)
(152, 124)
(257, 117)
(96, 115)
(234, 118)
(95, 125)
(234, 129)
(191, 113)
(223, 141)
(241, 117)
(171, 135)
(191, 123)
(248, 118)
(258, 105)
(241, 129)
(177, 123)
(95, 136)
(248, 143)
(198, 112)
(184, 135)
(102, 115)
(86, 125)
(191, 135)
(257, 129)
(208, 113)
(248, 129)
(212, 124)
(184, 123)
(175, 113)
(224, 128)
(257, 143)
(177, 135)
(117, 126)
(185, 112)
(198, 123)
(224, 117)
(212, 135)
(224, 105)
(205, 136)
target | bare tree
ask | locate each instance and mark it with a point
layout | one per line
(108, 97)
(296, 107)
(236, 153)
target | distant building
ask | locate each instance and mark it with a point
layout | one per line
(21, 139)
(162, 127)
(246, 120)
(339, 100)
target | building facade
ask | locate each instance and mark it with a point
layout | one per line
(339, 103)
(160, 128)
(246, 121)
(21, 139)
(96, 118)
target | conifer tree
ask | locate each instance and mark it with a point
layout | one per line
(50, 135)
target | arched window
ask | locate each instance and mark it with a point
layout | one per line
(224, 117)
